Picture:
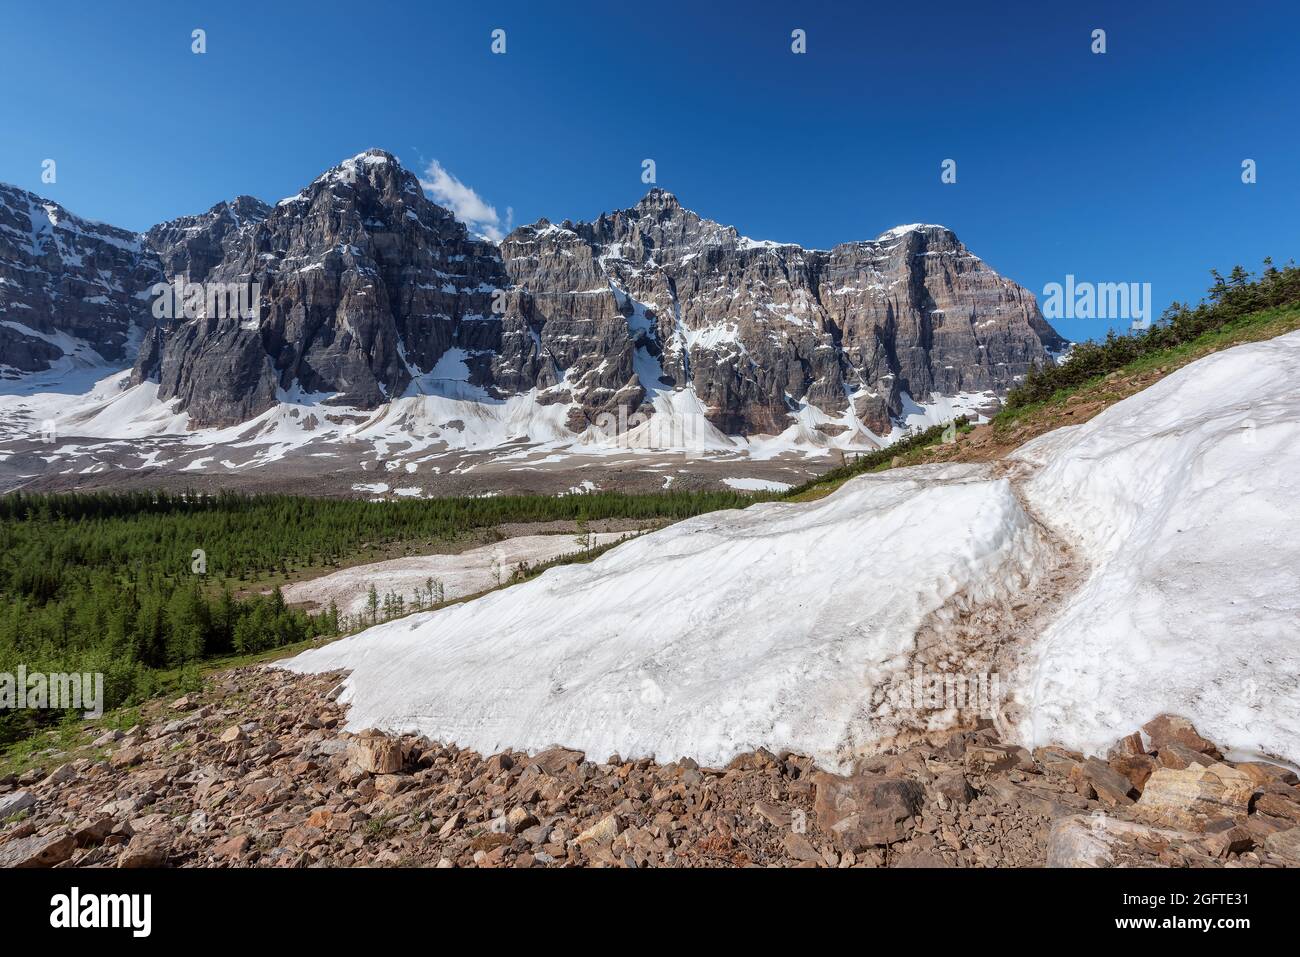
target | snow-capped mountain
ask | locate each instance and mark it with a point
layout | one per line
(72, 291)
(380, 317)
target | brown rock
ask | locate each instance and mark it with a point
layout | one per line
(554, 760)
(1179, 756)
(233, 847)
(865, 810)
(37, 851)
(1136, 767)
(774, 815)
(304, 836)
(954, 787)
(145, 850)
(1191, 795)
(391, 783)
(489, 840)
(1262, 772)
(1229, 840)
(800, 848)
(320, 818)
(499, 762)
(990, 758)
(233, 734)
(1170, 729)
(93, 831)
(926, 859)
(376, 754)
(126, 757)
(1284, 844)
(1279, 806)
(519, 820)
(1111, 786)
(1129, 746)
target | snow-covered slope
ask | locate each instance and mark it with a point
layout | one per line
(1185, 499)
(766, 626)
(770, 626)
(475, 570)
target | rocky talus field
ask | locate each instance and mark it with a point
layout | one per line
(257, 771)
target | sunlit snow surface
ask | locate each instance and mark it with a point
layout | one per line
(739, 629)
(766, 626)
(1185, 497)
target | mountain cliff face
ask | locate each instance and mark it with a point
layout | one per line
(71, 290)
(757, 328)
(369, 291)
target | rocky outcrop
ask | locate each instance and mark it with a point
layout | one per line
(72, 292)
(194, 246)
(365, 286)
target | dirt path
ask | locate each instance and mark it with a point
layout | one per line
(978, 650)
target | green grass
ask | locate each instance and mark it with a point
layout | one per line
(1255, 327)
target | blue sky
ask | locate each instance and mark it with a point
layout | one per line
(1122, 167)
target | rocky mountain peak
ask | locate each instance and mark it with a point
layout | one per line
(69, 287)
(368, 291)
(248, 209)
(657, 199)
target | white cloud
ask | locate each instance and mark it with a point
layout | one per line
(468, 206)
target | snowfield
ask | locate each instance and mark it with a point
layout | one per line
(770, 626)
(466, 573)
(1184, 498)
(723, 633)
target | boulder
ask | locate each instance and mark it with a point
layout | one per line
(1075, 841)
(15, 803)
(145, 850)
(602, 832)
(233, 734)
(1284, 844)
(1179, 756)
(1263, 772)
(865, 810)
(1279, 805)
(554, 760)
(1192, 795)
(1111, 786)
(38, 850)
(376, 754)
(1168, 729)
(1136, 767)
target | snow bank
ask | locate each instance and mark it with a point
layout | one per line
(466, 573)
(1184, 498)
(717, 635)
